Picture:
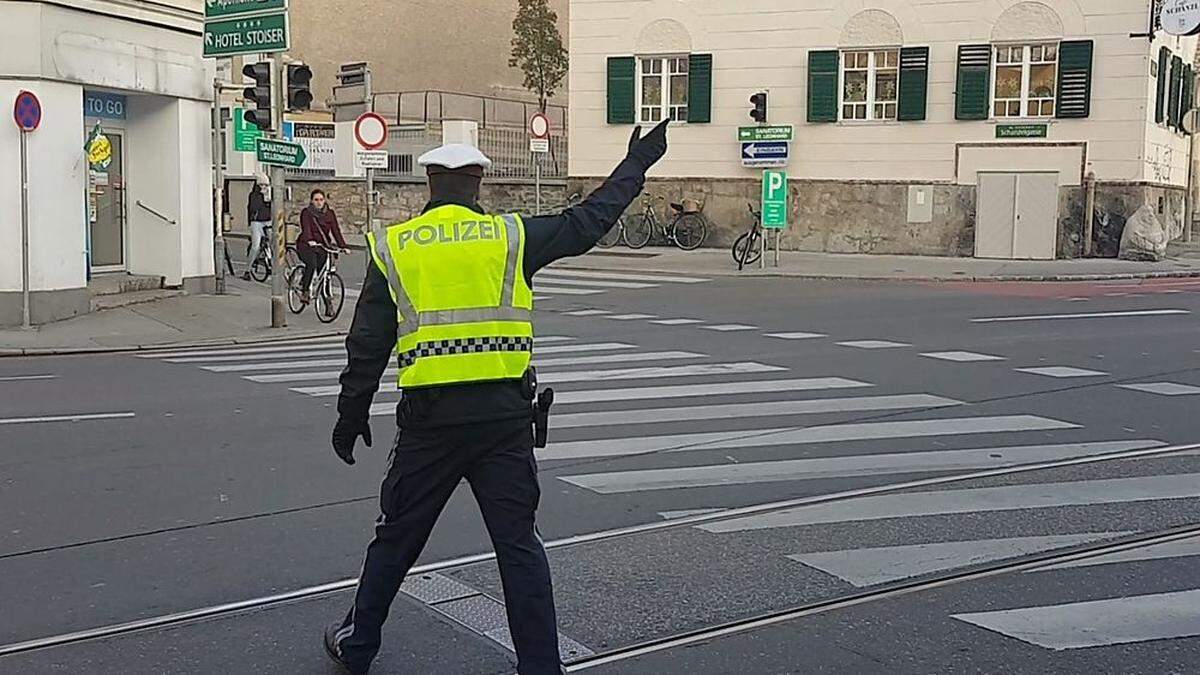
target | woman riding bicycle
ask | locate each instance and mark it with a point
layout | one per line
(258, 212)
(318, 230)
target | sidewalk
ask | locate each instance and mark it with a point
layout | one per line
(242, 316)
(719, 262)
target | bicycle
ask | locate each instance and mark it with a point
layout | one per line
(260, 268)
(748, 247)
(687, 230)
(327, 291)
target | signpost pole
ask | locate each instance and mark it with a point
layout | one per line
(278, 215)
(25, 319)
(370, 172)
(219, 195)
(537, 183)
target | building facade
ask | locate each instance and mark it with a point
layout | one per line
(948, 127)
(413, 45)
(129, 75)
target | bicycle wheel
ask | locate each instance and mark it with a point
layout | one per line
(746, 250)
(637, 235)
(689, 231)
(330, 298)
(260, 269)
(294, 291)
(613, 235)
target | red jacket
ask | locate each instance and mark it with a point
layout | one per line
(320, 227)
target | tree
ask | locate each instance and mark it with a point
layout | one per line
(537, 49)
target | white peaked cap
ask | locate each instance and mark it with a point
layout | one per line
(455, 156)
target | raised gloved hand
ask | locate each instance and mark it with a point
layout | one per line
(345, 435)
(649, 149)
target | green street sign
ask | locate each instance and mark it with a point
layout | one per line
(774, 200)
(224, 8)
(780, 132)
(1021, 130)
(281, 153)
(245, 134)
(250, 35)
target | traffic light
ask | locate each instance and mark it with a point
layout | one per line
(759, 113)
(299, 87)
(259, 96)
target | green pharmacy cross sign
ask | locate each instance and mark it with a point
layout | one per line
(224, 8)
(281, 153)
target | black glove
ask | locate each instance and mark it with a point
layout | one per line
(346, 433)
(647, 150)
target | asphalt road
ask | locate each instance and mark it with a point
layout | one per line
(805, 431)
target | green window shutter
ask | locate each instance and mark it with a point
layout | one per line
(1175, 92)
(620, 89)
(972, 98)
(914, 83)
(1189, 94)
(699, 88)
(1160, 106)
(823, 86)
(1074, 79)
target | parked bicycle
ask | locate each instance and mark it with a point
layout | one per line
(748, 247)
(327, 291)
(687, 229)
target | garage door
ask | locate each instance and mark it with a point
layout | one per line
(1016, 216)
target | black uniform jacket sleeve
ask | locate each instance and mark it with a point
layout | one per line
(372, 335)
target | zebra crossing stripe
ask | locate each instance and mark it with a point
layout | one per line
(713, 389)
(276, 365)
(1180, 548)
(757, 409)
(1097, 623)
(1163, 388)
(580, 376)
(562, 290)
(953, 426)
(588, 312)
(614, 358)
(624, 276)
(741, 473)
(331, 351)
(864, 567)
(596, 283)
(293, 346)
(977, 500)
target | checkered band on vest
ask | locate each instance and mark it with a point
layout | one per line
(473, 345)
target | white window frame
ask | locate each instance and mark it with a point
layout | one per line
(665, 108)
(1027, 65)
(872, 70)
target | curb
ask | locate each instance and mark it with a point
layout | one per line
(1117, 276)
(216, 342)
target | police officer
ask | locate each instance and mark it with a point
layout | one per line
(450, 292)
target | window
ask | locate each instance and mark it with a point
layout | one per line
(869, 84)
(1025, 77)
(663, 88)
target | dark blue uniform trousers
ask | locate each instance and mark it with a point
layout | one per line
(424, 469)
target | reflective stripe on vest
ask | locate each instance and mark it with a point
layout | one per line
(464, 310)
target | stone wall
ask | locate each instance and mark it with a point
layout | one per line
(872, 217)
(401, 200)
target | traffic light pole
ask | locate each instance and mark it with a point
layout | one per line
(278, 214)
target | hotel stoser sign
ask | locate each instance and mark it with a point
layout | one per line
(1180, 17)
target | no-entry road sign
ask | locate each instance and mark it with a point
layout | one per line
(371, 131)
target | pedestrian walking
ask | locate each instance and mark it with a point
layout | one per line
(450, 292)
(258, 213)
(319, 231)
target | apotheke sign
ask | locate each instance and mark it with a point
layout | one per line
(1180, 17)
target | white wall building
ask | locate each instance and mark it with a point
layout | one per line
(135, 69)
(900, 108)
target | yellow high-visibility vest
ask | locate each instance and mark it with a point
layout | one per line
(464, 309)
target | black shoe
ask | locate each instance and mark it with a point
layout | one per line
(246, 276)
(331, 648)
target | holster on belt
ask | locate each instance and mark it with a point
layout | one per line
(541, 407)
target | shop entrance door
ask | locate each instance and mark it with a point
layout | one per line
(108, 217)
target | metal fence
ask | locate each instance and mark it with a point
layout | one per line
(432, 106)
(509, 151)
